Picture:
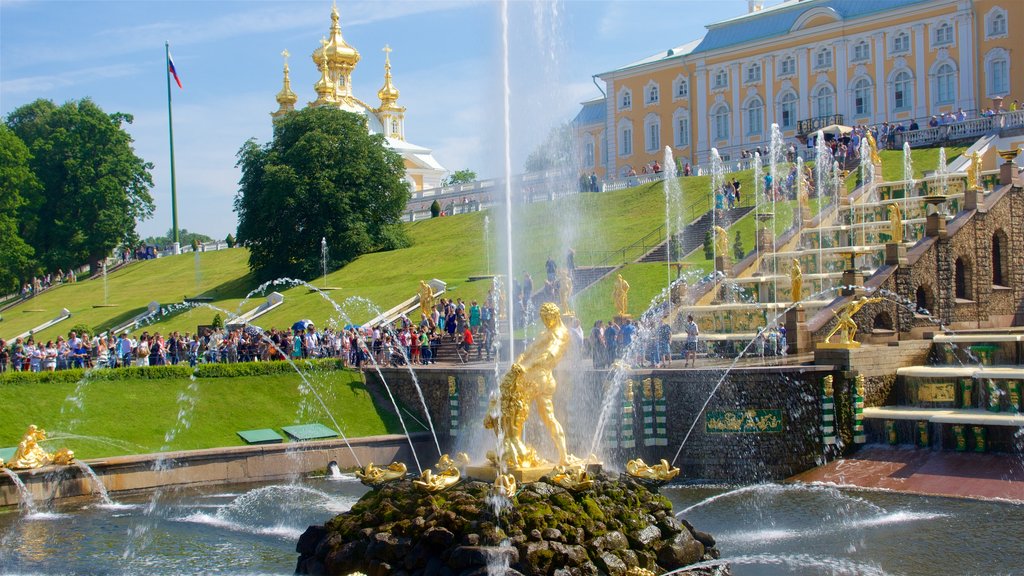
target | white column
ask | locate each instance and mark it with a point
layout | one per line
(700, 96)
(769, 95)
(881, 100)
(611, 135)
(735, 138)
(802, 71)
(920, 73)
(968, 60)
(842, 74)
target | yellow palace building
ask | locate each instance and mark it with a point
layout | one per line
(336, 60)
(803, 64)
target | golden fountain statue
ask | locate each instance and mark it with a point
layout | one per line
(721, 242)
(620, 296)
(529, 381)
(846, 327)
(504, 486)
(796, 281)
(564, 290)
(426, 293)
(573, 477)
(661, 472)
(447, 474)
(873, 148)
(30, 454)
(895, 223)
(974, 172)
(379, 475)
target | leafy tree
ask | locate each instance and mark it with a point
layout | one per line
(555, 152)
(737, 247)
(230, 240)
(709, 244)
(94, 188)
(16, 183)
(217, 322)
(435, 209)
(459, 177)
(322, 176)
(185, 238)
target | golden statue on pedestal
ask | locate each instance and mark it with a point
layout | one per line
(661, 472)
(721, 242)
(974, 172)
(873, 148)
(378, 475)
(573, 478)
(30, 454)
(846, 327)
(447, 474)
(620, 296)
(895, 223)
(796, 281)
(504, 486)
(530, 381)
(564, 290)
(426, 293)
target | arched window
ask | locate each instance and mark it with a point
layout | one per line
(882, 321)
(945, 84)
(996, 23)
(960, 275)
(823, 59)
(1000, 266)
(755, 116)
(652, 133)
(943, 34)
(720, 122)
(902, 91)
(395, 127)
(653, 94)
(588, 150)
(997, 73)
(787, 66)
(681, 122)
(682, 88)
(900, 43)
(754, 72)
(824, 101)
(625, 99)
(625, 137)
(787, 110)
(721, 78)
(862, 97)
(923, 300)
(861, 51)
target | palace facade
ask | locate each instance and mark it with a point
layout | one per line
(804, 64)
(336, 60)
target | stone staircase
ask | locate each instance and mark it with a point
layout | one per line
(693, 235)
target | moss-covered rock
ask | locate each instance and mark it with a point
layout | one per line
(618, 524)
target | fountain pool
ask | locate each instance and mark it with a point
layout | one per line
(763, 529)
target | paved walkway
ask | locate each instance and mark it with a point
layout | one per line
(906, 469)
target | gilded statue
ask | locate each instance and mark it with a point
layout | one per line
(573, 477)
(721, 242)
(530, 381)
(661, 472)
(564, 289)
(620, 296)
(796, 281)
(873, 148)
(638, 571)
(895, 223)
(504, 486)
(846, 327)
(30, 454)
(974, 172)
(446, 476)
(377, 475)
(426, 293)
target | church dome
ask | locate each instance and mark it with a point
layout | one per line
(339, 53)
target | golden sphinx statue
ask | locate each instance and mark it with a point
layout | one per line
(377, 475)
(661, 472)
(30, 454)
(530, 381)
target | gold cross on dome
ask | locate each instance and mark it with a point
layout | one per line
(386, 49)
(286, 54)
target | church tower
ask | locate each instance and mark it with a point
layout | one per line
(286, 99)
(341, 59)
(391, 115)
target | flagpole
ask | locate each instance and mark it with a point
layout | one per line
(170, 131)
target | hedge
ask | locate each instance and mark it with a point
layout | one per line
(170, 372)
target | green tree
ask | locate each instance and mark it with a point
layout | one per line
(322, 176)
(185, 238)
(737, 247)
(709, 245)
(16, 183)
(435, 209)
(459, 177)
(230, 240)
(94, 188)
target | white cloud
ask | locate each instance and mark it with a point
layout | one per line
(39, 85)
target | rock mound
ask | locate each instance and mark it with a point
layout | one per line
(615, 526)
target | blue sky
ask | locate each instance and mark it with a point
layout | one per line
(446, 62)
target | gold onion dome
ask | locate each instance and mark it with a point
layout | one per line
(339, 52)
(286, 98)
(324, 87)
(388, 94)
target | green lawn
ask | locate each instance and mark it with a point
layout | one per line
(132, 416)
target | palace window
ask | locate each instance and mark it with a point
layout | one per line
(902, 91)
(861, 51)
(395, 128)
(823, 59)
(588, 151)
(720, 122)
(652, 127)
(754, 72)
(755, 116)
(627, 141)
(682, 131)
(995, 23)
(787, 110)
(625, 99)
(787, 66)
(824, 101)
(901, 43)
(997, 72)
(945, 84)
(653, 94)
(682, 88)
(943, 34)
(862, 97)
(721, 78)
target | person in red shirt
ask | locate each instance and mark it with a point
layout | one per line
(466, 343)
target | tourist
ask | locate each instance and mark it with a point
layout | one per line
(570, 260)
(5, 356)
(611, 333)
(736, 189)
(141, 350)
(691, 341)
(597, 346)
(664, 336)
(474, 317)
(687, 170)
(551, 268)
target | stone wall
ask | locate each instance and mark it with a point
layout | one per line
(791, 445)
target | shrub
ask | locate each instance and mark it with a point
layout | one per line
(435, 209)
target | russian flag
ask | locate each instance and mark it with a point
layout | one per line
(170, 68)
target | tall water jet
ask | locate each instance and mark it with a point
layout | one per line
(507, 141)
(673, 200)
(717, 199)
(487, 241)
(942, 172)
(822, 175)
(775, 156)
(758, 176)
(908, 183)
(199, 271)
(323, 258)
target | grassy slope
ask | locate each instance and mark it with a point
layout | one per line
(140, 412)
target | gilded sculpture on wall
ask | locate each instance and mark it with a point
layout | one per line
(530, 381)
(446, 475)
(378, 475)
(564, 290)
(426, 293)
(661, 472)
(895, 223)
(846, 327)
(873, 147)
(30, 454)
(974, 172)
(721, 242)
(620, 296)
(796, 281)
